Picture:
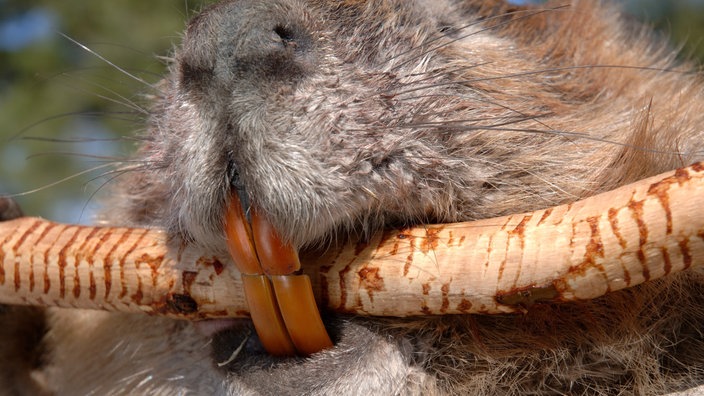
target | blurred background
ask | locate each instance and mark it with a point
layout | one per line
(52, 88)
(66, 114)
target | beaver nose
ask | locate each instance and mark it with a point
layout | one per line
(236, 40)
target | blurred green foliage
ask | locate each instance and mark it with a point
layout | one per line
(55, 89)
(680, 20)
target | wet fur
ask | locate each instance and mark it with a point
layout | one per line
(365, 113)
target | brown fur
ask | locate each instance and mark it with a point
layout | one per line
(365, 113)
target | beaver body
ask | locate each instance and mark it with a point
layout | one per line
(342, 117)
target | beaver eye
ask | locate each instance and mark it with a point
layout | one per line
(286, 37)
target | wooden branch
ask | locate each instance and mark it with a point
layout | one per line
(579, 251)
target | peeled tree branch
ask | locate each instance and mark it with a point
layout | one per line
(583, 250)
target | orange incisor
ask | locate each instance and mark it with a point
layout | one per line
(281, 302)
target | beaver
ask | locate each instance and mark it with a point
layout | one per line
(339, 118)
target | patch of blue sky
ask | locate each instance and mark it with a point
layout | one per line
(26, 29)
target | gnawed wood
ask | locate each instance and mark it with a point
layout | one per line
(578, 251)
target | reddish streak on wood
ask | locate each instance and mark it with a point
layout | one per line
(121, 262)
(80, 256)
(16, 247)
(519, 233)
(636, 208)
(445, 289)
(464, 306)
(686, 254)
(370, 280)
(430, 242)
(613, 220)
(62, 260)
(107, 265)
(409, 258)
(44, 233)
(661, 189)
(545, 215)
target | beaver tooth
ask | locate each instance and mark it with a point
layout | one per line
(275, 256)
(239, 238)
